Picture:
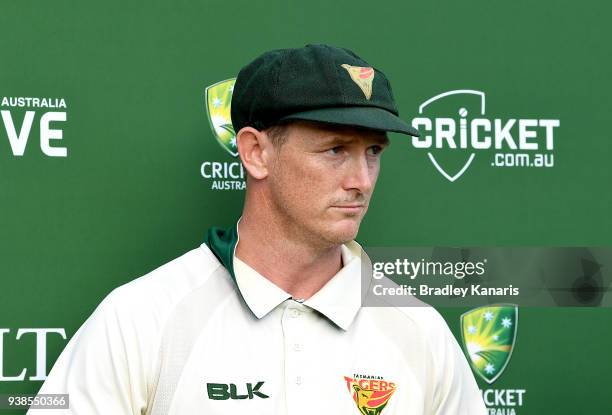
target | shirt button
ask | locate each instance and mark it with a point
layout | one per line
(298, 380)
(295, 313)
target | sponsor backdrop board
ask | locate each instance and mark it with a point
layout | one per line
(114, 158)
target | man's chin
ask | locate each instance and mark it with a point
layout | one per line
(343, 231)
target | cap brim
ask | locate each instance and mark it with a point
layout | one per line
(367, 117)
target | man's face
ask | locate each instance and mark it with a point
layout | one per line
(322, 179)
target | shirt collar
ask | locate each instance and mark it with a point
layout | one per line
(260, 294)
(339, 299)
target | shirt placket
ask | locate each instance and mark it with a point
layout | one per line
(294, 322)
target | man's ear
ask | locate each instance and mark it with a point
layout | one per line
(254, 149)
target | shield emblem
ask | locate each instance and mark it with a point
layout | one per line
(455, 163)
(218, 99)
(488, 334)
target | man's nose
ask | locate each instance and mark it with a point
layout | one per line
(359, 174)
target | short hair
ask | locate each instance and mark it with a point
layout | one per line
(278, 134)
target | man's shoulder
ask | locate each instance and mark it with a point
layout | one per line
(418, 315)
(428, 319)
(122, 339)
(180, 274)
(409, 323)
(158, 292)
(414, 316)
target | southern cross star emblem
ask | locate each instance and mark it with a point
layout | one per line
(218, 99)
(488, 336)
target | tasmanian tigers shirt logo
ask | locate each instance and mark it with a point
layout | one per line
(370, 393)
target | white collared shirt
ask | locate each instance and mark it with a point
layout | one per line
(187, 338)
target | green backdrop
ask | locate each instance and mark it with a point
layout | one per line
(129, 196)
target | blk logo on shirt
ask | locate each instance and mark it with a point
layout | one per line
(225, 391)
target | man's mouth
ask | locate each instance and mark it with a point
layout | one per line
(350, 208)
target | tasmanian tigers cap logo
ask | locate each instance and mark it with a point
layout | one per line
(362, 76)
(370, 393)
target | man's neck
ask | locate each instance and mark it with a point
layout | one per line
(296, 267)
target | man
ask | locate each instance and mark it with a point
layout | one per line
(266, 317)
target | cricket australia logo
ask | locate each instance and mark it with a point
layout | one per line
(488, 335)
(224, 175)
(370, 393)
(218, 98)
(455, 127)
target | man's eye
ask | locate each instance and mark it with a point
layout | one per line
(374, 150)
(335, 150)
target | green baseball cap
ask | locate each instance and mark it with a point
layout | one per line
(315, 83)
